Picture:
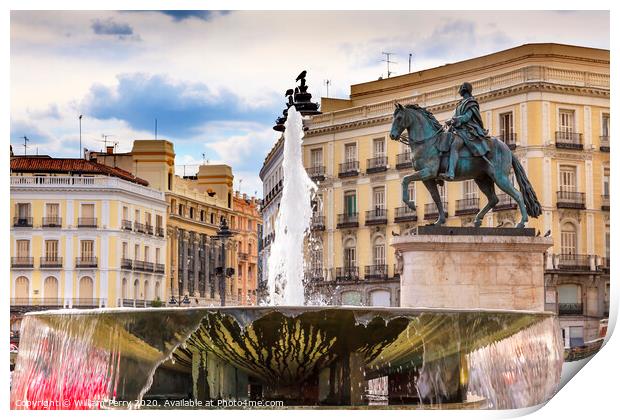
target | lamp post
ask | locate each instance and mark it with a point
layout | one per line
(223, 235)
(80, 136)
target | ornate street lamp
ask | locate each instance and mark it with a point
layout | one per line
(223, 236)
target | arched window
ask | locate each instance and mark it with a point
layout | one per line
(569, 299)
(349, 253)
(136, 289)
(378, 251)
(157, 291)
(124, 289)
(568, 239)
(50, 290)
(352, 298)
(22, 288)
(380, 298)
(147, 292)
(86, 290)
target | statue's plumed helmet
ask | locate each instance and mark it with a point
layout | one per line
(466, 87)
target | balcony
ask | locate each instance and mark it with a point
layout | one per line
(139, 227)
(86, 262)
(348, 169)
(573, 262)
(149, 229)
(22, 262)
(243, 256)
(22, 221)
(317, 222)
(605, 202)
(50, 262)
(405, 214)
(149, 266)
(467, 206)
(510, 139)
(41, 302)
(568, 140)
(603, 264)
(85, 303)
(431, 212)
(126, 264)
(316, 173)
(604, 143)
(403, 160)
(376, 164)
(506, 202)
(160, 268)
(377, 216)
(376, 272)
(571, 200)
(159, 231)
(138, 265)
(51, 222)
(126, 224)
(347, 274)
(87, 222)
(570, 308)
(347, 220)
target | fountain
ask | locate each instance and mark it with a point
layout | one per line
(287, 354)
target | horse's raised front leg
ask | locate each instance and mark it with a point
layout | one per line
(431, 186)
(408, 179)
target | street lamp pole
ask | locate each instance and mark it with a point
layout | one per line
(223, 235)
(80, 155)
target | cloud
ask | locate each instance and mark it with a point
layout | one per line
(180, 15)
(180, 107)
(51, 112)
(110, 27)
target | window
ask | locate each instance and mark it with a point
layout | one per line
(136, 216)
(136, 252)
(505, 125)
(607, 244)
(212, 218)
(568, 239)
(158, 221)
(380, 298)
(412, 191)
(23, 248)
(22, 288)
(87, 249)
(378, 251)
(52, 210)
(51, 250)
(124, 289)
(566, 121)
(157, 255)
(568, 178)
(443, 193)
(124, 252)
(349, 254)
(352, 298)
(250, 249)
(606, 182)
(86, 288)
(378, 148)
(202, 215)
(88, 211)
(146, 253)
(378, 198)
(23, 210)
(316, 158)
(181, 210)
(470, 189)
(169, 181)
(350, 203)
(191, 212)
(147, 219)
(605, 125)
(350, 152)
(50, 288)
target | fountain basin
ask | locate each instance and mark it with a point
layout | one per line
(300, 356)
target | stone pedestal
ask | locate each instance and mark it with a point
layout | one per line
(472, 268)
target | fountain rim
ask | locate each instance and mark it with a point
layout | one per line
(391, 310)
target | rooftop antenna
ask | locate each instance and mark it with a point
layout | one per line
(105, 140)
(26, 140)
(410, 55)
(387, 60)
(203, 158)
(327, 82)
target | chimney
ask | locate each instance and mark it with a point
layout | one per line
(109, 150)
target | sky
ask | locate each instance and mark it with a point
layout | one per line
(215, 81)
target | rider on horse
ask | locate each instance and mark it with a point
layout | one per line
(469, 130)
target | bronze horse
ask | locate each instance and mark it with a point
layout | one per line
(427, 141)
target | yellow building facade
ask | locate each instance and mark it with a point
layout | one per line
(548, 102)
(70, 243)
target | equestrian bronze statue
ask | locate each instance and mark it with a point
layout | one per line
(462, 152)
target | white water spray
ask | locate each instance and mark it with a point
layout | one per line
(286, 258)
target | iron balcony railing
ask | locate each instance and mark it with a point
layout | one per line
(405, 214)
(126, 224)
(149, 266)
(316, 173)
(347, 220)
(574, 262)
(21, 221)
(20, 302)
(317, 222)
(159, 231)
(467, 206)
(376, 272)
(126, 264)
(85, 303)
(51, 222)
(86, 262)
(505, 202)
(347, 274)
(603, 264)
(570, 308)
(431, 211)
(50, 262)
(604, 143)
(160, 268)
(138, 265)
(43, 302)
(403, 160)
(87, 222)
(605, 202)
(376, 164)
(149, 229)
(571, 200)
(351, 168)
(377, 216)
(568, 140)
(139, 227)
(510, 139)
(22, 262)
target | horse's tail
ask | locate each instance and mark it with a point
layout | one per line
(532, 204)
